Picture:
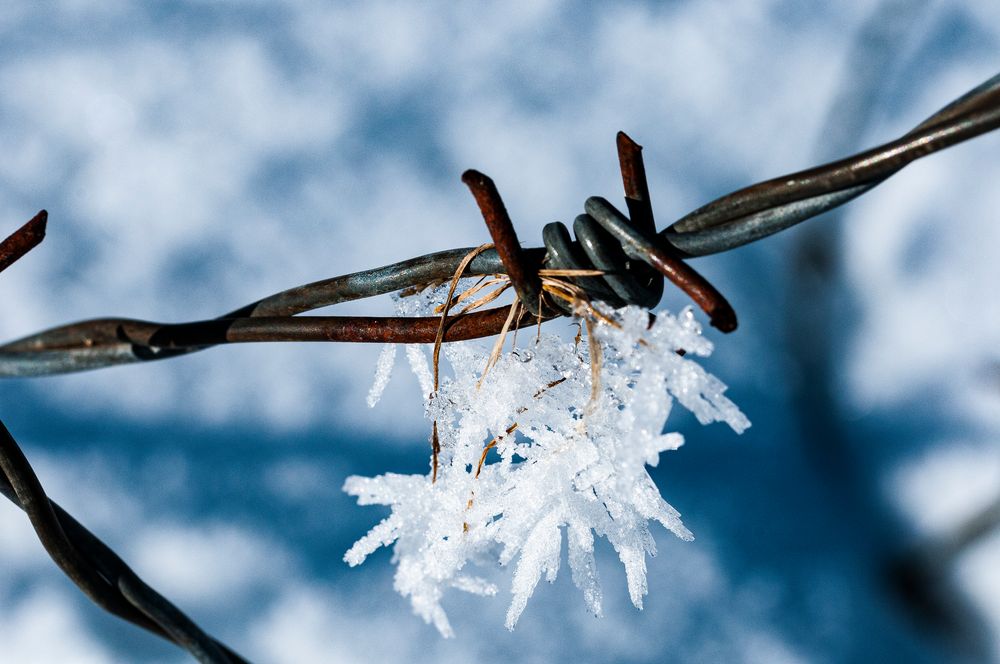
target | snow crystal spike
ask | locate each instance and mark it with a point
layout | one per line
(590, 481)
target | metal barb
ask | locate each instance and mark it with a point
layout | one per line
(526, 282)
(23, 240)
(640, 209)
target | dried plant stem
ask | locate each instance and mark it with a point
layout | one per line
(490, 446)
(595, 366)
(498, 346)
(486, 299)
(447, 305)
(435, 439)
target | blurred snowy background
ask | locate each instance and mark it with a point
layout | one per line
(196, 155)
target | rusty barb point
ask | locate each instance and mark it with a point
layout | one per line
(23, 240)
(526, 281)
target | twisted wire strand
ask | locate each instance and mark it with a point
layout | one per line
(774, 205)
(89, 563)
(95, 568)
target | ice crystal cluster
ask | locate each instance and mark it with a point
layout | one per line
(568, 457)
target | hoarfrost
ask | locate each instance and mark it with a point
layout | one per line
(383, 370)
(562, 456)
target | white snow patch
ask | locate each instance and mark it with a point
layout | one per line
(207, 564)
(948, 485)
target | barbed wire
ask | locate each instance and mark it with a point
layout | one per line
(731, 221)
(630, 258)
(88, 562)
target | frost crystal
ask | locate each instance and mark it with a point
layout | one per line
(383, 370)
(562, 456)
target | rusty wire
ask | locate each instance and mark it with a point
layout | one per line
(631, 255)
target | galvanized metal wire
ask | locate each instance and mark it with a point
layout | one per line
(771, 206)
(631, 255)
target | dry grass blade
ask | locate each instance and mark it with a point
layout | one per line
(595, 366)
(439, 339)
(486, 299)
(447, 305)
(478, 286)
(563, 289)
(498, 346)
(435, 451)
(548, 387)
(569, 272)
(490, 446)
(410, 291)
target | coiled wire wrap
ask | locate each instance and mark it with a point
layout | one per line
(633, 260)
(625, 280)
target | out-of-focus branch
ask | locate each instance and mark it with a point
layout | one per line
(921, 578)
